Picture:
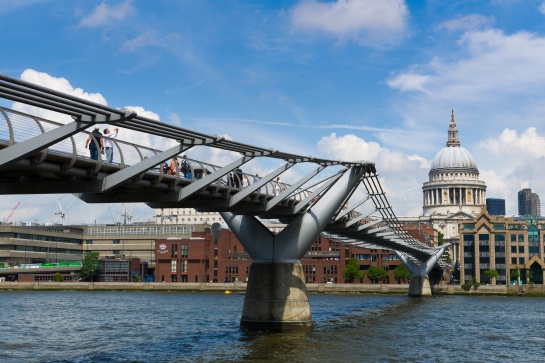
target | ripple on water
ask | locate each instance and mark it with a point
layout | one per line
(187, 327)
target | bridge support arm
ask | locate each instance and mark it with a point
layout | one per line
(420, 282)
(276, 296)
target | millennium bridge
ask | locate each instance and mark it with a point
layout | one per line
(341, 199)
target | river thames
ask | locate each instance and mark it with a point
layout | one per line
(204, 327)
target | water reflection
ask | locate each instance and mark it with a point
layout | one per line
(189, 327)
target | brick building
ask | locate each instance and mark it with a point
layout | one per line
(216, 255)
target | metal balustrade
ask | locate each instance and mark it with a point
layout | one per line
(50, 157)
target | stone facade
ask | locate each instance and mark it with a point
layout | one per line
(504, 244)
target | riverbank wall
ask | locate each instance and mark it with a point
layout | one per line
(240, 287)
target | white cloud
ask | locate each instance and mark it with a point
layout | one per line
(43, 206)
(401, 175)
(541, 8)
(511, 146)
(106, 15)
(57, 84)
(511, 162)
(492, 79)
(409, 82)
(497, 65)
(151, 38)
(348, 148)
(468, 22)
(363, 21)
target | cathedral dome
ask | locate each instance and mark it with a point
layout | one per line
(453, 157)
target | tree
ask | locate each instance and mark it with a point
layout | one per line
(401, 273)
(515, 274)
(58, 277)
(376, 274)
(491, 274)
(89, 266)
(440, 242)
(440, 238)
(352, 270)
(530, 276)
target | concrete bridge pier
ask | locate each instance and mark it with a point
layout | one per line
(420, 282)
(276, 299)
(276, 295)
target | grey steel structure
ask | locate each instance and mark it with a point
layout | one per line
(342, 199)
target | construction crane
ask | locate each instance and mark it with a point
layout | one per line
(62, 212)
(6, 220)
(126, 214)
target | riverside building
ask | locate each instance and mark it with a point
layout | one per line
(515, 247)
(216, 255)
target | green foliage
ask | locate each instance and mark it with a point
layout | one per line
(376, 274)
(515, 273)
(492, 273)
(475, 283)
(89, 266)
(137, 278)
(401, 273)
(58, 277)
(440, 238)
(466, 286)
(530, 276)
(352, 270)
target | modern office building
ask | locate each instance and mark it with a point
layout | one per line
(528, 203)
(495, 206)
(506, 245)
(121, 269)
(31, 248)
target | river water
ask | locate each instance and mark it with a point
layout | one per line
(44, 326)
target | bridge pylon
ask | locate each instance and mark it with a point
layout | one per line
(420, 282)
(276, 295)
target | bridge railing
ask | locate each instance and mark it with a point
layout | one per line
(17, 127)
(382, 231)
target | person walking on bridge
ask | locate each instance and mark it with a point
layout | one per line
(94, 145)
(108, 143)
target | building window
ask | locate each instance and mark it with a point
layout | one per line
(521, 260)
(115, 242)
(521, 249)
(174, 250)
(513, 249)
(513, 238)
(521, 238)
(185, 250)
(184, 266)
(89, 242)
(469, 226)
(115, 252)
(173, 266)
(499, 226)
(499, 238)
(514, 260)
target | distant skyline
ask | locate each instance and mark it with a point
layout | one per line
(352, 80)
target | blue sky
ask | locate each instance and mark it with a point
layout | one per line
(355, 80)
